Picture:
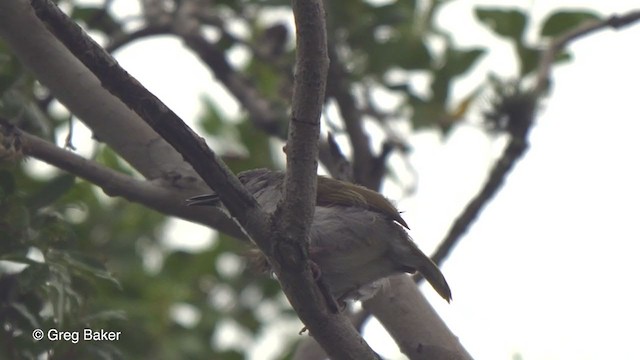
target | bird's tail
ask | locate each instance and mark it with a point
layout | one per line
(414, 259)
(429, 270)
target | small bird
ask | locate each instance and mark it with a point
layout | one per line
(357, 237)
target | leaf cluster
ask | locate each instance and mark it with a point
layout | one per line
(71, 258)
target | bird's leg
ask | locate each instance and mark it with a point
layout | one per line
(316, 272)
(324, 289)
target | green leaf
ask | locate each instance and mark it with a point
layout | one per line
(425, 113)
(19, 256)
(440, 87)
(82, 265)
(51, 191)
(96, 18)
(213, 121)
(230, 355)
(258, 145)
(528, 58)
(54, 231)
(105, 315)
(457, 62)
(562, 21)
(394, 14)
(109, 158)
(506, 23)
(27, 315)
(34, 276)
(10, 69)
(460, 61)
(7, 184)
(406, 52)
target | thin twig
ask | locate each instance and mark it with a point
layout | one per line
(167, 200)
(241, 205)
(295, 214)
(264, 113)
(517, 146)
(615, 22)
(331, 330)
(338, 88)
(334, 160)
(259, 51)
(120, 40)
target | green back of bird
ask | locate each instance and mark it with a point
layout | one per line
(336, 192)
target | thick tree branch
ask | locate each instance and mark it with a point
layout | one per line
(241, 205)
(312, 63)
(419, 334)
(380, 304)
(152, 194)
(295, 214)
(264, 113)
(80, 91)
(110, 120)
(333, 331)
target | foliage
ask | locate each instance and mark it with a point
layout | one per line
(512, 23)
(46, 277)
(70, 258)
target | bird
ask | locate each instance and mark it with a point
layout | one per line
(357, 238)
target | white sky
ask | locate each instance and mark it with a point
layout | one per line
(547, 271)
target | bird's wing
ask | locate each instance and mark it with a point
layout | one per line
(336, 192)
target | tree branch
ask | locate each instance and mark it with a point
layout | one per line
(516, 148)
(419, 334)
(518, 143)
(363, 158)
(312, 63)
(333, 331)
(333, 159)
(295, 214)
(241, 205)
(512, 153)
(152, 194)
(262, 112)
(615, 22)
(80, 91)
(120, 40)
(268, 48)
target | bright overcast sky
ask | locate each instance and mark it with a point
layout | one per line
(548, 270)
